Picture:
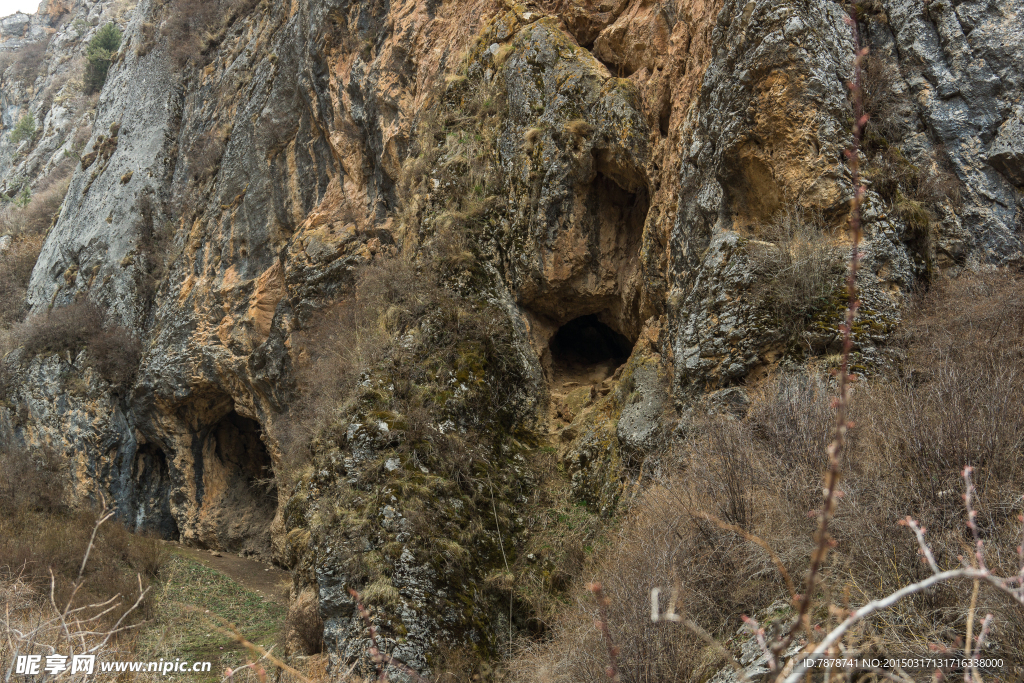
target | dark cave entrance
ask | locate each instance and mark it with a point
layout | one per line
(237, 488)
(588, 348)
(151, 473)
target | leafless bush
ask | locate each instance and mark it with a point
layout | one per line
(115, 353)
(192, 26)
(660, 544)
(82, 135)
(112, 349)
(798, 267)
(205, 155)
(186, 27)
(28, 61)
(40, 213)
(31, 480)
(887, 106)
(71, 619)
(16, 264)
(27, 229)
(66, 329)
(348, 339)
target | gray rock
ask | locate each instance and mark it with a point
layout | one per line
(1006, 153)
(641, 423)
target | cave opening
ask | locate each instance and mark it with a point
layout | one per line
(237, 486)
(589, 349)
(151, 473)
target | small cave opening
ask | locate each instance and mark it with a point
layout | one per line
(236, 487)
(151, 473)
(588, 349)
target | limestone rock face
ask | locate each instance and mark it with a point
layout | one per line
(960, 62)
(1006, 153)
(576, 149)
(650, 174)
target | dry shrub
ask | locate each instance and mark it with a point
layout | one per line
(913, 189)
(758, 473)
(156, 249)
(112, 350)
(191, 27)
(347, 340)
(205, 155)
(887, 106)
(40, 533)
(66, 329)
(799, 265)
(16, 264)
(27, 228)
(28, 61)
(82, 135)
(115, 353)
(458, 665)
(958, 401)
(32, 481)
(42, 210)
(660, 545)
(186, 27)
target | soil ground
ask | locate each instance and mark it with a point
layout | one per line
(266, 580)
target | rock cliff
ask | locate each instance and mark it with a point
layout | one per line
(386, 262)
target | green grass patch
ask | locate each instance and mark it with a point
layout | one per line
(192, 602)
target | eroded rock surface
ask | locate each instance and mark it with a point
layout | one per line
(633, 161)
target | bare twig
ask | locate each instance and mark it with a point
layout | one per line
(671, 615)
(70, 629)
(613, 652)
(1011, 586)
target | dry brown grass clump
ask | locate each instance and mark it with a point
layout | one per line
(799, 266)
(112, 350)
(959, 401)
(40, 533)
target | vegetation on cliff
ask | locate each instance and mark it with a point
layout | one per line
(450, 316)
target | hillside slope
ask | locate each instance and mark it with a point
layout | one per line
(387, 266)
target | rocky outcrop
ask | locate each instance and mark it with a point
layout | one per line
(573, 218)
(959, 61)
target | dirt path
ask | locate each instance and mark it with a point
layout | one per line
(266, 580)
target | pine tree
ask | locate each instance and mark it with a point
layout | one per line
(101, 48)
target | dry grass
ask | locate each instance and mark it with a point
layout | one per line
(799, 266)
(27, 228)
(449, 183)
(959, 401)
(43, 541)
